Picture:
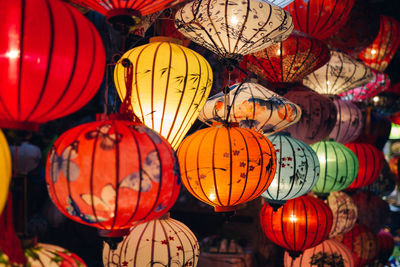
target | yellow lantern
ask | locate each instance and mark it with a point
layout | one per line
(170, 84)
(5, 170)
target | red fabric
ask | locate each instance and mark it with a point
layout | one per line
(385, 246)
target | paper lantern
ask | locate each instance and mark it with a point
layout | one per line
(52, 62)
(318, 115)
(386, 103)
(163, 242)
(339, 167)
(328, 253)
(385, 246)
(340, 74)
(226, 166)
(252, 106)
(280, 3)
(349, 122)
(301, 223)
(233, 29)
(170, 84)
(112, 174)
(297, 170)
(26, 157)
(379, 54)
(320, 18)
(386, 182)
(370, 164)
(288, 61)
(5, 170)
(344, 212)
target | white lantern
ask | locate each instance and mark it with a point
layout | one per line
(26, 156)
(344, 212)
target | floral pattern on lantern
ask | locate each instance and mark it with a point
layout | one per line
(5, 170)
(345, 212)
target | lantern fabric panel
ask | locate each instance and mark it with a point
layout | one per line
(226, 166)
(385, 246)
(345, 213)
(5, 170)
(386, 182)
(280, 3)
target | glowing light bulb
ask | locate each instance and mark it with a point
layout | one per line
(375, 99)
(373, 51)
(234, 20)
(278, 52)
(212, 197)
(12, 54)
(293, 218)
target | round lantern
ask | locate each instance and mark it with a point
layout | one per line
(370, 164)
(320, 18)
(386, 182)
(26, 157)
(318, 115)
(52, 62)
(5, 170)
(301, 223)
(385, 246)
(288, 61)
(231, 30)
(394, 165)
(112, 174)
(379, 54)
(376, 130)
(339, 167)
(386, 103)
(344, 212)
(226, 166)
(161, 242)
(280, 3)
(252, 106)
(340, 74)
(170, 84)
(297, 170)
(328, 253)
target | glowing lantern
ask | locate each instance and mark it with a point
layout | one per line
(5, 170)
(164, 242)
(340, 74)
(50, 65)
(320, 18)
(344, 212)
(379, 54)
(233, 29)
(280, 3)
(339, 167)
(370, 164)
(226, 166)
(297, 170)
(112, 174)
(386, 103)
(328, 253)
(252, 106)
(386, 182)
(385, 246)
(170, 84)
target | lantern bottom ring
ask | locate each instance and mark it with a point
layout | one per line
(19, 125)
(224, 208)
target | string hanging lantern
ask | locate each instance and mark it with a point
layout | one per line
(5, 170)
(345, 213)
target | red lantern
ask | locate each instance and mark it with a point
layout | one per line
(385, 246)
(320, 18)
(52, 62)
(301, 223)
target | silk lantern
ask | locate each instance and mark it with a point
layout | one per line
(339, 167)
(385, 246)
(231, 30)
(318, 115)
(280, 3)
(225, 166)
(386, 182)
(328, 253)
(296, 173)
(164, 242)
(5, 170)
(345, 213)
(320, 18)
(112, 174)
(52, 62)
(252, 106)
(301, 223)
(26, 157)
(386, 103)
(170, 84)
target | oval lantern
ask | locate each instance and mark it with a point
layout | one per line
(349, 122)
(301, 223)
(252, 106)
(170, 84)
(226, 166)
(163, 242)
(370, 164)
(318, 115)
(296, 173)
(385, 246)
(340, 74)
(328, 253)
(232, 30)
(345, 212)
(280, 3)
(339, 167)
(50, 65)
(320, 18)
(112, 174)
(386, 182)
(5, 170)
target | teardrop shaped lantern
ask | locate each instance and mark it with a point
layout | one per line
(5, 170)
(379, 54)
(231, 29)
(170, 84)
(345, 213)
(280, 3)
(301, 223)
(163, 242)
(112, 174)
(339, 167)
(349, 122)
(386, 182)
(296, 173)
(226, 166)
(340, 74)
(252, 106)
(320, 18)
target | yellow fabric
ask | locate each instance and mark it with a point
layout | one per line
(5, 170)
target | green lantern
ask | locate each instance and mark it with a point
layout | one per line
(339, 167)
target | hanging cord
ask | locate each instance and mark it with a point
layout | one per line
(126, 109)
